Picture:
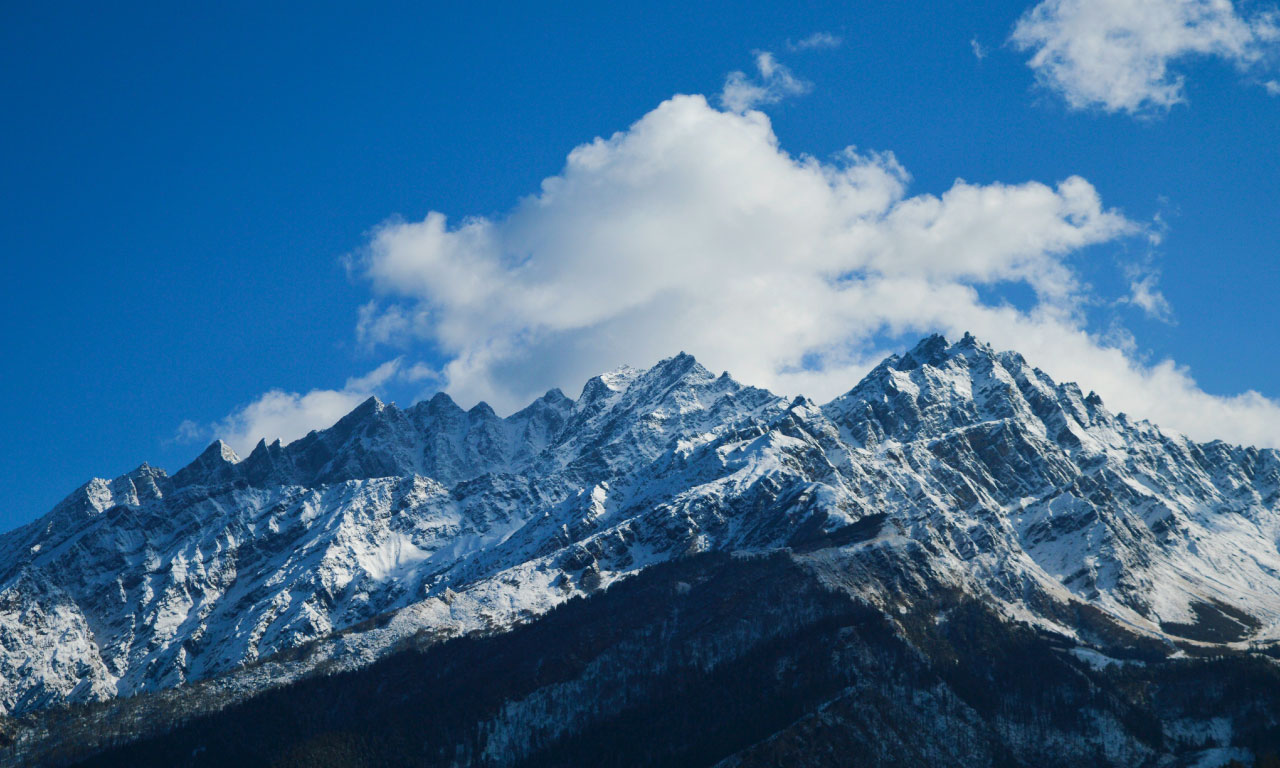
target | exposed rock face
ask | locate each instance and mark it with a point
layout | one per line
(953, 466)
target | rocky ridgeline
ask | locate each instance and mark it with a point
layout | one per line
(953, 466)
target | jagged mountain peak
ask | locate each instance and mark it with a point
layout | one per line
(215, 464)
(680, 364)
(681, 368)
(931, 350)
(936, 351)
(939, 385)
(607, 385)
(263, 448)
(553, 401)
(440, 401)
(218, 452)
(680, 376)
(482, 410)
(554, 396)
(370, 409)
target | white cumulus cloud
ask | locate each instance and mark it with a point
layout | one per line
(693, 230)
(1120, 55)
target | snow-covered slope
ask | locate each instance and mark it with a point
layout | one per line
(953, 465)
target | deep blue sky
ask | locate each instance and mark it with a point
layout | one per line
(180, 186)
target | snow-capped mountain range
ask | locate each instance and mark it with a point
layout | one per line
(953, 465)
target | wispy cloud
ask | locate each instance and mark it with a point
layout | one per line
(979, 52)
(1144, 292)
(1146, 295)
(1119, 55)
(816, 41)
(775, 83)
(188, 433)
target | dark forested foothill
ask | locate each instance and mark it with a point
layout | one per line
(752, 661)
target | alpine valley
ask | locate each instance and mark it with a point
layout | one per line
(957, 562)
